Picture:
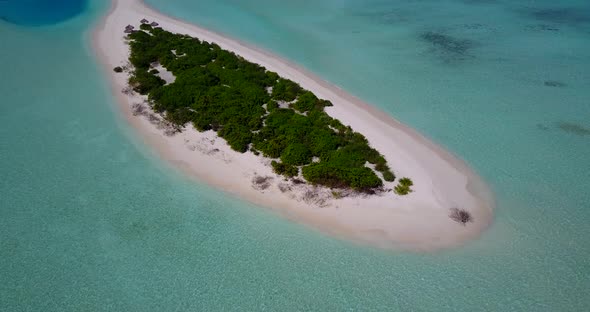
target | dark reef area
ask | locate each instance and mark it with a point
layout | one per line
(448, 48)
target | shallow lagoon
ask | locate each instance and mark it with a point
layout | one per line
(91, 220)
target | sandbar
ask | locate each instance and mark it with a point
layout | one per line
(419, 221)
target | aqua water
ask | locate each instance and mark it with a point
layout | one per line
(40, 12)
(90, 219)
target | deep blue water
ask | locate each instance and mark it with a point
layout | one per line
(40, 12)
(90, 220)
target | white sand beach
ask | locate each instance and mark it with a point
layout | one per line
(418, 221)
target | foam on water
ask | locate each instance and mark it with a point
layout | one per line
(90, 220)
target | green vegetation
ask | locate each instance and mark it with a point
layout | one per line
(118, 69)
(403, 186)
(147, 27)
(252, 109)
(284, 169)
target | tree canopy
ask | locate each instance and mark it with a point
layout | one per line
(244, 103)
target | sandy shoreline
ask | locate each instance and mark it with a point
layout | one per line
(418, 221)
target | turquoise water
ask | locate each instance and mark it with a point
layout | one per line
(40, 12)
(91, 220)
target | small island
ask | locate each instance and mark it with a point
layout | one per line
(254, 110)
(268, 131)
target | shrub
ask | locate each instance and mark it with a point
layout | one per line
(285, 90)
(236, 136)
(180, 116)
(284, 169)
(144, 82)
(118, 69)
(306, 102)
(145, 27)
(403, 186)
(296, 154)
(381, 166)
(359, 178)
(388, 176)
(402, 189)
(271, 148)
(272, 105)
(406, 181)
(322, 142)
(461, 215)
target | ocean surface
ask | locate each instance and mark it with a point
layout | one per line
(92, 220)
